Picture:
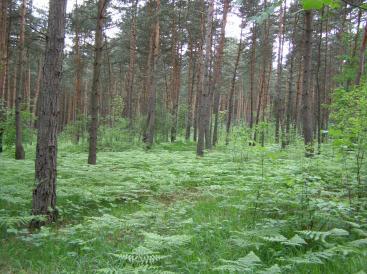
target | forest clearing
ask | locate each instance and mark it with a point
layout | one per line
(183, 136)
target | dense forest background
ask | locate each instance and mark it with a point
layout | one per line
(112, 98)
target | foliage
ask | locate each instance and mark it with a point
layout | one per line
(165, 211)
(8, 125)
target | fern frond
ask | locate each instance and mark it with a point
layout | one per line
(247, 263)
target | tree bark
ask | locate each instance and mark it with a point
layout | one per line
(252, 74)
(218, 69)
(148, 137)
(131, 69)
(3, 46)
(362, 50)
(306, 112)
(78, 76)
(278, 102)
(98, 48)
(175, 77)
(190, 89)
(37, 92)
(232, 90)
(19, 150)
(204, 107)
(44, 194)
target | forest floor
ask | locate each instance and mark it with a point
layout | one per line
(237, 210)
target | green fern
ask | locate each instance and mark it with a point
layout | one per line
(247, 263)
(141, 256)
(158, 242)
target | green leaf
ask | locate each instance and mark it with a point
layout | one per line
(318, 4)
(312, 4)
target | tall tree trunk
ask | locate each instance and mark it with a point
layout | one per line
(19, 150)
(3, 46)
(98, 48)
(318, 85)
(306, 112)
(266, 58)
(218, 69)
(37, 92)
(232, 90)
(3, 62)
(175, 78)
(148, 137)
(78, 76)
(44, 194)
(204, 107)
(362, 51)
(131, 69)
(252, 74)
(278, 102)
(190, 89)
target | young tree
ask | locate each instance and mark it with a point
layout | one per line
(98, 48)
(44, 194)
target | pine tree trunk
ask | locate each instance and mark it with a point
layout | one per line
(218, 70)
(204, 108)
(232, 90)
(307, 117)
(362, 50)
(131, 69)
(252, 74)
(175, 79)
(278, 87)
(148, 137)
(3, 46)
(190, 89)
(44, 195)
(98, 48)
(37, 92)
(78, 77)
(19, 150)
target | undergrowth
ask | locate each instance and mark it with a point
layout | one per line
(237, 210)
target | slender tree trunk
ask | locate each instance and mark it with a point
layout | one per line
(78, 76)
(131, 70)
(37, 92)
(148, 137)
(98, 48)
(3, 63)
(44, 194)
(3, 46)
(252, 74)
(204, 108)
(190, 89)
(19, 150)
(218, 69)
(290, 82)
(306, 112)
(318, 86)
(266, 58)
(362, 50)
(175, 78)
(232, 90)
(278, 87)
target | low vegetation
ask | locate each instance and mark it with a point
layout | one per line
(241, 209)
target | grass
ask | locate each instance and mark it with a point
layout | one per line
(166, 211)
